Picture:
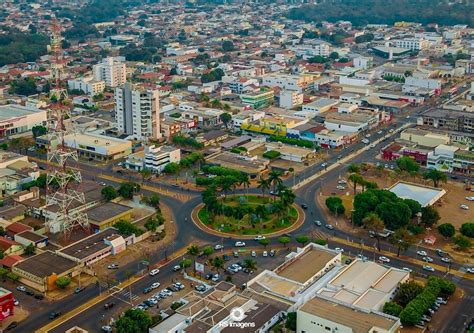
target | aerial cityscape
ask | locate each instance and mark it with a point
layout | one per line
(205, 166)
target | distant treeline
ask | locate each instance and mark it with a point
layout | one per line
(361, 12)
(19, 47)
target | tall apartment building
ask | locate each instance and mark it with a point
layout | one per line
(112, 71)
(87, 84)
(137, 112)
(414, 44)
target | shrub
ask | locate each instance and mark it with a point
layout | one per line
(467, 229)
(462, 242)
(62, 282)
(415, 229)
(12, 276)
(271, 154)
(446, 229)
(322, 242)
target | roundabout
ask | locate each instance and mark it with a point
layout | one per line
(246, 216)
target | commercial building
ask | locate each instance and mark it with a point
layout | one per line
(272, 125)
(112, 71)
(320, 105)
(18, 119)
(7, 305)
(94, 146)
(425, 138)
(252, 166)
(321, 315)
(448, 120)
(156, 158)
(290, 153)
(289, 99)
(106, 215)
(258, 99)
(41, 271)
(425, 195)
(87, 84)
(414, 44)
(288, 81)
(137, 112)
(316, 48)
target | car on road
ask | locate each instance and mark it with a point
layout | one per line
(106, 329)
(440, 252)
(470, 270)
(21, 288)
(379, 132)
(155, 285)
(76, 291)
(201, 288)
(109, 305)
(428, 259)
(341, 187)
(147, 290)
(155, 271)
(384, 259)
(265, 254)
(338, 249)
(235, 254)
(254, 254)
(16, 302)
(54, 314)
(102, 183)
(318, 223)
(372, 145)
(362, 257)
(208, 276)
(342, 182)
(239, 244)
(465, 207)
(113, 266)
(218, 247)
(226, 257)
(324, 165)
(29, 293)
(259, 237)
(428, 268)
(12, 325)
(329, 226)
(407, 269)
(304, 206)
(176, 268)
(446, 260)
(365, 141)
(421, 253)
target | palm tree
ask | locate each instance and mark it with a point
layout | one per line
(373, 223)
(275, 179)
(244, 180)
(402, 239)
(263, 185)
(353, 168)
(146, 174)
(436, 176)
(356, 179)
(250, 264)
(261, 211)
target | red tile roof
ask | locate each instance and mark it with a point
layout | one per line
(18, 227)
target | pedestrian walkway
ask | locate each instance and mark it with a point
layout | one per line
(125, 295)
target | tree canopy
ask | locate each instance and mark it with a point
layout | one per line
(19, 47)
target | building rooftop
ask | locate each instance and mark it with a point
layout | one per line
(45, 264)
(16, 111)
(358, 320)
(90, 245)
(425, 195)
(107, 211)
(32, 236)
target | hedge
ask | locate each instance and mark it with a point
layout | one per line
(292, 141)
(271, 154)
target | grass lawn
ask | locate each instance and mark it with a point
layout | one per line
(247, 225)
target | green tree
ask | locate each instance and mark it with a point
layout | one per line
(275, 179)
(30, 249)
(127, 228)
(126, 190)
(394, 215)
(291, 321)
(108, 193)
(225, 118)
(414, 206)
(193, 250)
(263, 185)
(334, 204)
(228, 46)
(284, 240)
(407, 164)
(145, 173)
(435, 176)
(392, 308)
(134, 321)
(265, 242)
(447, 230)
(462, 242)
(334, 55)
(429, 216)
(185, 263)
(154, 201)
(353, 168)
(321, 242)
(38, 131)
(402, 239)
(172, 168)
(218, 263)
(356, 179)
(24, 87)
(62, 282)
(302, 239)
(152, 224)
(251, 264)
(467, 229)
(407, 292)
(208, 250)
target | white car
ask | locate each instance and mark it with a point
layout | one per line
(421, 253)
(465, 207)
(470, 270)
(446, 260)
(470, 198)
(338, 249)
(342, 182)
(218, 247)
(239, 244)
(341, 187)
(428, 268)
(155, 285)
(215, 277)
(428, 259)
(265, 254)
(155, 271)
(379, 132)
(21, 288)
(384, 259)
(407, 269)
(254, 254)
(259, 237)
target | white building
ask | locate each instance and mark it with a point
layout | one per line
(289, 99)
(414, 44)
(421, 86)
(319, 48)
(362, 62)
(288, 81)
(112, 71)
(319, 106)
(17, 119)
(156, 158)
(87, 84)
(137, 112)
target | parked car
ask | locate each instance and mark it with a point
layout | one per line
(226, 257)
(338, 249)
(147, 290)
(362, 257)
(330, 227)
(440, 252)
(30, 293)
(446, 260)
(208, 276)
(235, 254)
(201, 288)
(384, 259)
(340, 187)
(155, 285)
(239, 244)
(428, 268)
(113, 266)
(470, 270)
(106, 329)
(441, 300)
(259, 237)
(77, 290)
(421, 253)
(12, 325)
(265, 254)
(254, 254)
(318, 223)
(218, 247)
(428, 259)
(470, 198)
(216, 278)
(272, 253)
(465, 207)
(407, 269)
(176, 268)
(21, 288)
(155, 271)
(54, 314)
(109, 305)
